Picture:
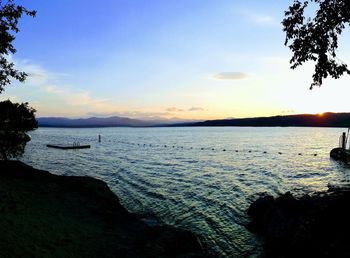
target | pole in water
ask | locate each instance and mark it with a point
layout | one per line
(99, 138)
(343, 146)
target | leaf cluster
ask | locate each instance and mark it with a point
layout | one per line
(17, 117)
(316, 38)
(10, 13)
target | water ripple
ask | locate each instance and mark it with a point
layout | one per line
(202, 179)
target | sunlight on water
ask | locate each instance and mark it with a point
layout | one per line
(202, 179)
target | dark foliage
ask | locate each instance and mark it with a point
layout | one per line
(15, 120)
(10, 13)
(316, 38)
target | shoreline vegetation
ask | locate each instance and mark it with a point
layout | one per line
(46, 215)
(316, 225)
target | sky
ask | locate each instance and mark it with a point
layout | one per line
(151, 59)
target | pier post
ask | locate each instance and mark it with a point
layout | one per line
(343, 145)
(99, 138)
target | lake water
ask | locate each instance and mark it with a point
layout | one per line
(202, 179)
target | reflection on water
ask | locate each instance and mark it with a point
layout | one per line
(201, 179)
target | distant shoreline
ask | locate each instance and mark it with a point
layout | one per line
(331, 120)
(186, 126)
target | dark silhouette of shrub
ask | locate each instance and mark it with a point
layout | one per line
(15, 120)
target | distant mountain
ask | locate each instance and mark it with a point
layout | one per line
(306, 120)
(113, 121)
(93, 122)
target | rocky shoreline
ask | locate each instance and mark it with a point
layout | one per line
(309, 226)
(45, 215)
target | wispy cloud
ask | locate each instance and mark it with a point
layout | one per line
(289, 111)
(196, 109)
(53, 94)
(37, 75)
(174, 109)
(131, 114)
(50, 85)
(230, 76)
(54, 89)
(263, 19)
(259, 18)
(84, 98)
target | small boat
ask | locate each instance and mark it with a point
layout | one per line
(68, 147)
(342, 152)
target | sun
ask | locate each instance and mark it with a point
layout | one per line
(320, 114)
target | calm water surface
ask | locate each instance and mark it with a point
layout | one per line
(202, 179)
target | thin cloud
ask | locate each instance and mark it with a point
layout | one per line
(174, 109)
(54, 97)
(196, 109)
(132, 114)
(53, 89)
(289, 111)
(263, 19)
(259, 19)
(84, 98)
(230, 76)
(36, 74)
(48, 85)
(76, 97)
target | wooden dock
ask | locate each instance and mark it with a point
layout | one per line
(68, 147)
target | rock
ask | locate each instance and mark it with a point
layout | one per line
(310, 226)
(259, 210)
(45, 215)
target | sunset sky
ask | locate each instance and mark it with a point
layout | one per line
(189, 59)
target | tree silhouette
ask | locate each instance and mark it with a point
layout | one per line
(10, 13)
(316, 38)
(15, 119)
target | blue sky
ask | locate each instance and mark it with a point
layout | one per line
(188, 59)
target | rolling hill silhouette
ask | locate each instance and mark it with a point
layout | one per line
(306, 120)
